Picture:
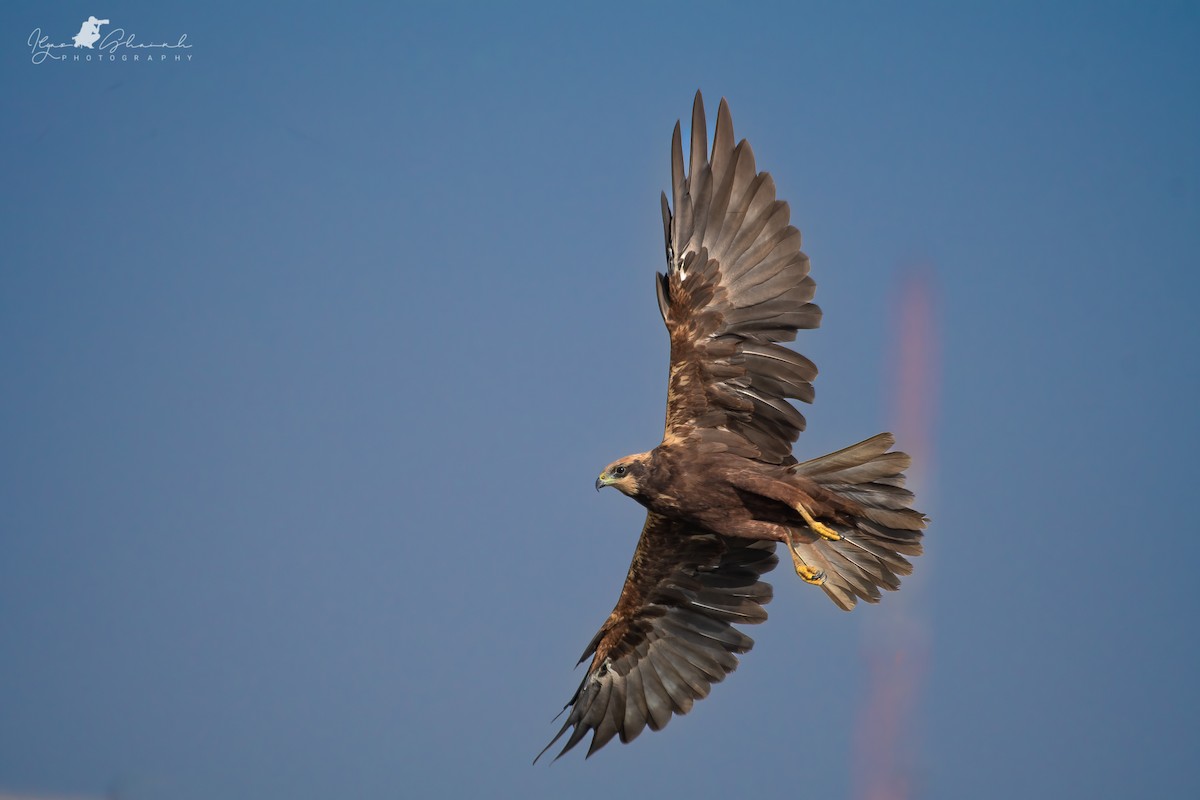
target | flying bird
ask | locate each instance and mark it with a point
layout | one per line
(723, 488)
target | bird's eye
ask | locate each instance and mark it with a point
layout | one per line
(619, 472)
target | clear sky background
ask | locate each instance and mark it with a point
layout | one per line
(311, 350)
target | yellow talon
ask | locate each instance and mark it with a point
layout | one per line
(819, 528)
(826, 531)
(809, 575)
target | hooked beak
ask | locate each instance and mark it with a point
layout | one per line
(602, 481)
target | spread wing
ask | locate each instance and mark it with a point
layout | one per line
(671, 635)
(736, 284)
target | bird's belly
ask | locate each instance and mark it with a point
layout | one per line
(722, 510)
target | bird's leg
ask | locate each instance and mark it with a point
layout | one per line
(757, 529)
(817, 527)
(809, 575)
(788, 493)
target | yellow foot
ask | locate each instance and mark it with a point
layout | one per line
(819, 528)
(809, 575)
(825, 531)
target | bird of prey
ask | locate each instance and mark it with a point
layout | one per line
(723, 488)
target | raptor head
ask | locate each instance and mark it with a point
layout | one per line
(625, 474)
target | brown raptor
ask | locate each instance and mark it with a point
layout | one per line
(722, 488)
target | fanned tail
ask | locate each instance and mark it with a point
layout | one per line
(875, 540)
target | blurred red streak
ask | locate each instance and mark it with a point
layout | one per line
(897, 637)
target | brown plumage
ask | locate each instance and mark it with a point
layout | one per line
(723, 486)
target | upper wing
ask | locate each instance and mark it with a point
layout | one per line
(736, 283)
(671, 635)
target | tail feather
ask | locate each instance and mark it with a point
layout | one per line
(871, 553)
(852, 456)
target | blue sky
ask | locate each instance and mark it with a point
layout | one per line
(314, 345)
